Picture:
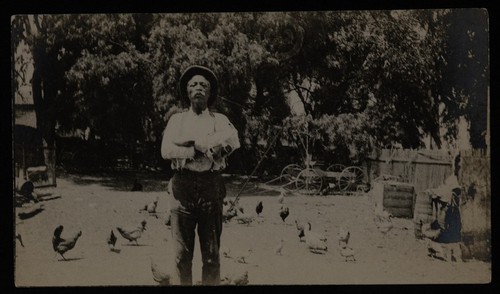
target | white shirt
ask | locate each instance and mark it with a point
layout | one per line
(207, 130)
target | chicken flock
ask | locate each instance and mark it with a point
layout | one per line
(315, 241)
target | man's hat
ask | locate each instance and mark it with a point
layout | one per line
(198, 70)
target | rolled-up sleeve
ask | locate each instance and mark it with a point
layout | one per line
(169, 150)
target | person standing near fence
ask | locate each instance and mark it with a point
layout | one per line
(198, 142)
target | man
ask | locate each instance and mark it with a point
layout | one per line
(198, 142)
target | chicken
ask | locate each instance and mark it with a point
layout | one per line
(429, 232)
(62, 245)
(226, 252)
(230, 209)
(243, 218)
(437, 251)
(160, 275)
(281, 198)
(112, 242)
(133, 233)
(259, 208)
(343, 236)
(243, 258)
(151, 207)
(347, 253)
(284, 212)
(382, 220)
(380, 212)
(314, 241)
(300, 228)
(279, 248)
(18, 237)
(239, 278)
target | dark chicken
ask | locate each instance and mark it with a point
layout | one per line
(61, 245)
(284, 212)
(259, 208)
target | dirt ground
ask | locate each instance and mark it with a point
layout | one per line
(98, 204)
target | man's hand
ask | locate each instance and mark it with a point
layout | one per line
(214, 153)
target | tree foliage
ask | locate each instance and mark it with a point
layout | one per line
(365, 79)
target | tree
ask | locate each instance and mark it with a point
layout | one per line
(465, 80)
(88, 73)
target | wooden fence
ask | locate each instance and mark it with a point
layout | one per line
(423, 169)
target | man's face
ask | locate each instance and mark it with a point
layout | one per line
(198, 90)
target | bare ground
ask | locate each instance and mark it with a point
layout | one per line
(98, 204)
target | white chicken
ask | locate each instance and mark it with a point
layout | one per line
(343, 235)
(300, 229)
(315, 241)
(382, 220)
(429, 232)
(160, 275)
(243, 218)
(237, 278)
(347, 253)
(243, 258)
(437, 251)
(151, 207)
(279, 248)
(281, 198)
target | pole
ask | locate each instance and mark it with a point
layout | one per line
(257, 166)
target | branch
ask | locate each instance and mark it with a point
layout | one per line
(299, 89)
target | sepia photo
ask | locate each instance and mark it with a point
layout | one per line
(346, 147)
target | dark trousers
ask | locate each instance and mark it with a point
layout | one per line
(197, 205)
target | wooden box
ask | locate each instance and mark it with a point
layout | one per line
(397, 198)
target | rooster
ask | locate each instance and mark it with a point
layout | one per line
(159, 275)
(61, 245)
(284, 212)
(134, 233)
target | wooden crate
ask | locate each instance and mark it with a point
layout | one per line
(397, 198)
